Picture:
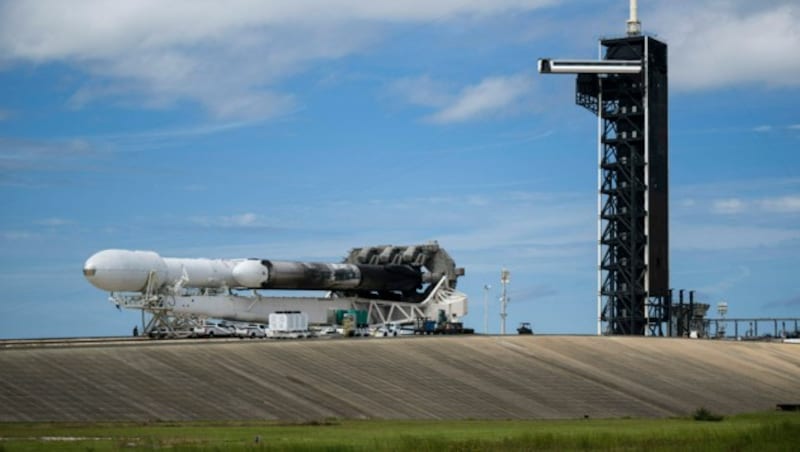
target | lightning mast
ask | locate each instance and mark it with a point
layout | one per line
(634, 26)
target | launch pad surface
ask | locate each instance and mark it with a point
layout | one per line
(508, 377)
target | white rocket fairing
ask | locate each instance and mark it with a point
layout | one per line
(128, 271)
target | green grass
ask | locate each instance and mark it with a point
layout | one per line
(754, 432)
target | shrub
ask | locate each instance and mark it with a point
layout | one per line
(703, 414)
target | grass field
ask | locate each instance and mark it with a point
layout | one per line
(753, 432)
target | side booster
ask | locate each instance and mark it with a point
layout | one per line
(132, 271)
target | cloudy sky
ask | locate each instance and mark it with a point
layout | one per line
(297, 130)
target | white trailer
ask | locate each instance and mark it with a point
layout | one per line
(288, 325)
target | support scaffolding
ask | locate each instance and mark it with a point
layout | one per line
(171, 312)
(627, 90)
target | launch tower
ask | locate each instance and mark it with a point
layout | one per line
(627, 90)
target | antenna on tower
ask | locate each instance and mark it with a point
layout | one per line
(634, 26)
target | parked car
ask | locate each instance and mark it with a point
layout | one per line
(254, 331)
(327, 330)
(237, 329)
(392, 329)
(212, 329)
(168, 333)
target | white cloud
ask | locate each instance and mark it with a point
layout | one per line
(726, 283)
(757, 215)
(18, 235)
(727, 42)
(776, 204)
(546, 231)
(782, 204)
(54, 222)
(245, 220)
(772, 128)
(711, 237)
(492, 96)
(728, 206)
(17, 154)
(227, 57)
(422, 91)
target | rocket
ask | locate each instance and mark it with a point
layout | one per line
(117, 270)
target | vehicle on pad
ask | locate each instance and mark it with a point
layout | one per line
(327, 330)
(237, 329)
(168, 333)
(392, 329)
(254, 331)
(212, 329)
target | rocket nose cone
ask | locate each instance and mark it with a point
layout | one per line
(123, 270)
(90, 271)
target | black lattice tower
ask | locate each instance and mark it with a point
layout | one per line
(627, 90)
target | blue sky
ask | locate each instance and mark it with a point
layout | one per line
(298, 130)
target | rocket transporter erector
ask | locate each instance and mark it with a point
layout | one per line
(132, 271)
(397, 284)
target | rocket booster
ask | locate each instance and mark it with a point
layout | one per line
(130, 271)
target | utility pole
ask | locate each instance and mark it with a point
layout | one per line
(505, 278)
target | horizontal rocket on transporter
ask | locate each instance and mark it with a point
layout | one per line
(132, 271)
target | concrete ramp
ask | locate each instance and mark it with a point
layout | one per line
(530, 377)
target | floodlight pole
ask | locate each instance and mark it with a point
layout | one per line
(505, 278)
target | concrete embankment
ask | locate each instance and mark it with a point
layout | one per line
(395, 378)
